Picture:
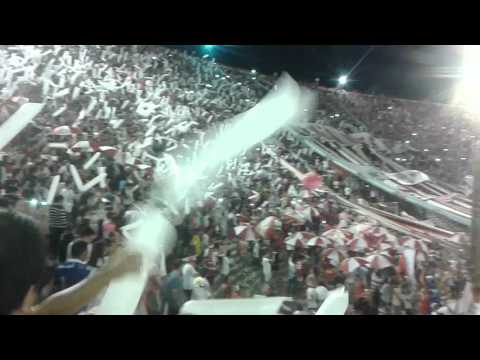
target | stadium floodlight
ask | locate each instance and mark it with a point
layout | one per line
(208, 47)
(467, 92)
(342, 80)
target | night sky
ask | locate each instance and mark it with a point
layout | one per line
(418, 72)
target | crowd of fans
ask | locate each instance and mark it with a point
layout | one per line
(133, 105)
(418, 135)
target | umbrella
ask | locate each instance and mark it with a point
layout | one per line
(351, 264)
(334, 255)
(304, 235)
(299, 239)
(267, 227)
(413, 243)
(62, 131)
(379, 261)
(108, 150)
(358, 244)
(319, 241)
(338, 237)
(376, 235)
(245, 232)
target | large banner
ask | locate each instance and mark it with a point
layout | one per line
(409, 177)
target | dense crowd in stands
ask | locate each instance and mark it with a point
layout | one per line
(143, 103)
(424, 136)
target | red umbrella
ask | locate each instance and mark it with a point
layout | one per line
(304, 235)
(358, 244)
(339, 237)
(379, 261)
(62, 131)
(300, 239)
(293, 242)
(334, 255)
(319, 241)
(351, 264)
(267, 227)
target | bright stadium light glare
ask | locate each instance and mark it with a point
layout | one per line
(342, 80)
(208, 47)
(467, 91)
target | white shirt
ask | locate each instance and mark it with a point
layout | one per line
(291, 269)
(187, 273)
(205, 241)
(267, 268)
(256, 250)
(225, 266)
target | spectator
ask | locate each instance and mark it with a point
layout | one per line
(197, 245)
(75, 269)
(188, 274)
(57, 223)
(225, 272)
(174, 295)
(267, 268)
(291, 277)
